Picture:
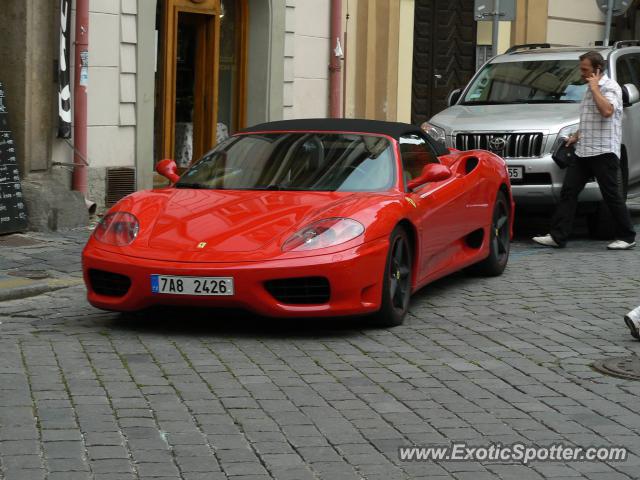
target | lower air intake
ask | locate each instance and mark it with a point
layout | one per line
(300, 291)
(109, 284)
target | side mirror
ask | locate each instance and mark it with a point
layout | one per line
(454, 96)
(168, 169)
(432, 172)
(630, 94)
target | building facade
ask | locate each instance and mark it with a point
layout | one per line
(166, 78)
(170, 78)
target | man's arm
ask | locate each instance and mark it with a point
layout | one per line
(604, 105)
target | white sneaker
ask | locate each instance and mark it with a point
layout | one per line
(547, 241)
(632, 319)
(621, 245)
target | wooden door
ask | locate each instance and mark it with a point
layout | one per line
(444, 53)
(189, 83)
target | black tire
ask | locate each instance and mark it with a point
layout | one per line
(500, 241)
(396, 283)
(600, 224)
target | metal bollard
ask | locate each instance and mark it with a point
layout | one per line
(632, 319)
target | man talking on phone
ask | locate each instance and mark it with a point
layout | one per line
(597, 155)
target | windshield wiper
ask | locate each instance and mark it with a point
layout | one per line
(195, 186)
(278, 188)
(520, 102)
(544, 101)
(485, 102)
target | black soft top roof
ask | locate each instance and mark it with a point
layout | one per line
(392, 129)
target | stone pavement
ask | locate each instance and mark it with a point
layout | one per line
(197, 395)
(36, 263)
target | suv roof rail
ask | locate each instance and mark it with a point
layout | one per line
(527, 46)
(626, 43)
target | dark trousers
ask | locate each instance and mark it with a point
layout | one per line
(605, 169)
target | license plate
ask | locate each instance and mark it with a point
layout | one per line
(516, 173)
(207, 286)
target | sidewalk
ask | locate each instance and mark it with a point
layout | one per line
(35, 263)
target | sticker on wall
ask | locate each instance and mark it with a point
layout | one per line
(84, 69)
(64, 82)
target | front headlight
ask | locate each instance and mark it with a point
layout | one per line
(565, 133)
(325, 233)
(435, 132)
(119, 228)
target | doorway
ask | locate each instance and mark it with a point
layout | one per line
(200, 76)
(444, 53)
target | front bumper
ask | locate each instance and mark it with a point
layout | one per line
(543, 182)
(355, 279)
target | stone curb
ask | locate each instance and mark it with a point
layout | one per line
(37, 288)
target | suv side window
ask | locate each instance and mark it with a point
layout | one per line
(416, 152)
(623, 71)
(634, 64)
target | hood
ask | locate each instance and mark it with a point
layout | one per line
(218, 225)
(536, 117)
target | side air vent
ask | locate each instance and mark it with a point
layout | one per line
(300, 291)
(120, 183)
(475, 238)
(470, 164)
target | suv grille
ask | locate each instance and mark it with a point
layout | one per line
(516, 145)
(109, 284)
(300, 291)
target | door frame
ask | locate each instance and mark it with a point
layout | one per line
(206, 74)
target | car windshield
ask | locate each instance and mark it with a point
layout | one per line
(547, 81)
(296, 161)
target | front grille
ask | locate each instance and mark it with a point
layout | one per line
(109, 284)
(300, 291)
(516, 145)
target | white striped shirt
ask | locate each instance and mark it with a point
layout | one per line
(599, 134)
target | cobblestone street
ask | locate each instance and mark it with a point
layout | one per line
(211, 395)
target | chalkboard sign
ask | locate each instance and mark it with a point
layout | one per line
(13, 213)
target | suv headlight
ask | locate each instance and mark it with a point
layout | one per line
(565, 133)
(435, 132)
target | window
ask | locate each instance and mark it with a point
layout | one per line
(330, 162)
(548, 81)
(623, 72)
(634, 67)
(416, 153)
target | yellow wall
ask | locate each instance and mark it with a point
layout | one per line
(379, 59)
(485, 35)
(405, 61)
(559, 22)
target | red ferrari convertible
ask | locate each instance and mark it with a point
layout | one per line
(305, 218)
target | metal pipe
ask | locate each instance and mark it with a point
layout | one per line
(607, 31)
(335, 55)
(496, 26)
(80, 173)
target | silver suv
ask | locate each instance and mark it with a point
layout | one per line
(522, 103)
